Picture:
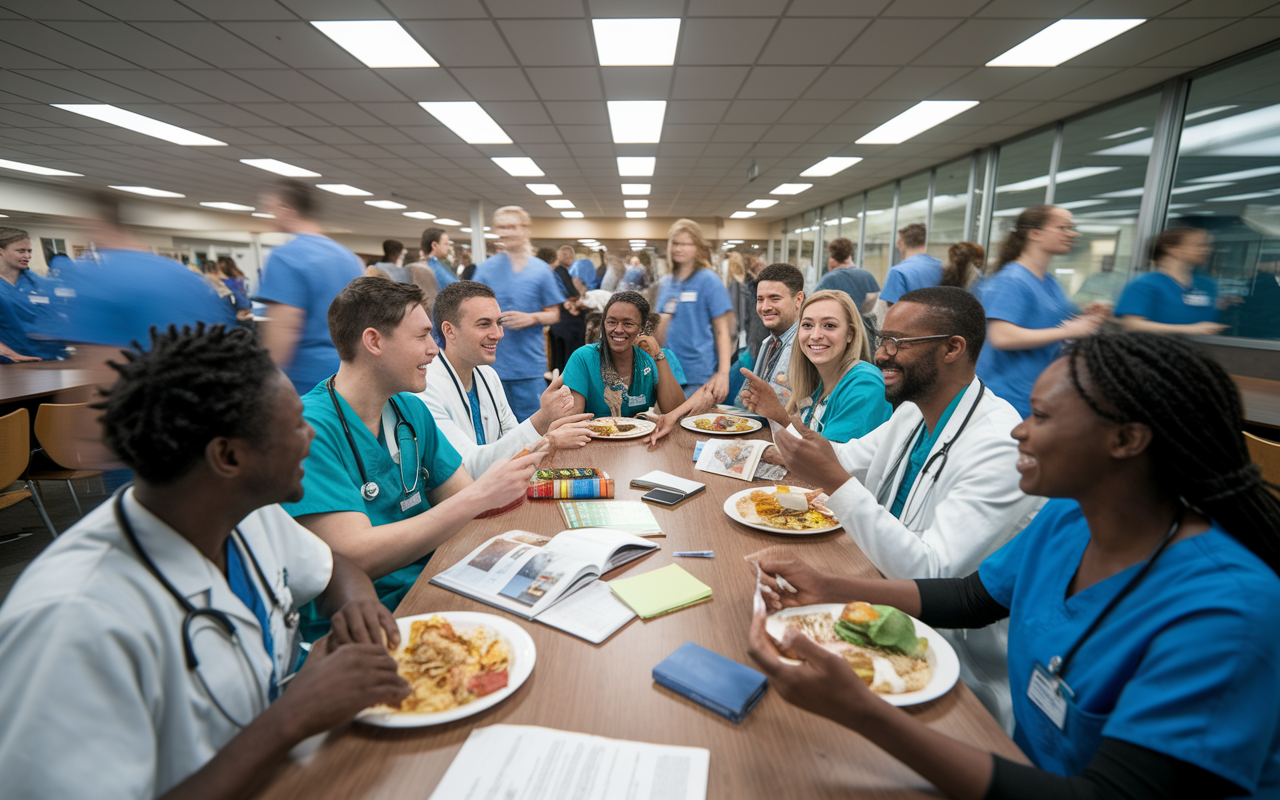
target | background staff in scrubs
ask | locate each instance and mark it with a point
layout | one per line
(22, 296)
(696, 313)
(1028, 314)
(1172, 298)
(383, 336)
(1140, 602)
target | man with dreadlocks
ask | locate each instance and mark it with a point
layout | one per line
(1141, 600)
(146, 648)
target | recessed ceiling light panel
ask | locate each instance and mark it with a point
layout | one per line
(560, 203)
(742, 214)
(518, 166)
(543, 188)
(378, 43)
(791, 188)
(140, 124)
(637, 166)
(635, 188)
(419, 215)
(344, 189)
(830, 166)
(637, 214)
(762, 204)
(572, 214)
(467, 119)
(18, 166)
(387, 204)
(636, 42)
(146, 190)
(447, 221)
(279, 167)
(1063, 41)
(227, 206)
(636, 121)
(635, 203)
(916, 120)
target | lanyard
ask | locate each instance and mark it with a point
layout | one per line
(476, 375)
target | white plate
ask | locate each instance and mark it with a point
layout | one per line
(731, 508)
(940, 655)
(735, 411)
(523, 655)
(644, 427)
(689, 422)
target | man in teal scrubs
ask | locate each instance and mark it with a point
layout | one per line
(383, 485)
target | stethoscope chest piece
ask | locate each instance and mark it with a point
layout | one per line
(369, 491)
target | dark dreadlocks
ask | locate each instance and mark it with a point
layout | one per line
(1193, 410)
(190, 388)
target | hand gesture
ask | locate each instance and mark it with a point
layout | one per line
(570, 433)
(336, 682)
(649, 344)
(1206, 328)
(364, 622)
(811, 586)
(810, 459)
(1081, 326)
(759, 397)
(718, 386)
(822, 683)
(516, 320)
(556, 400)
(505, 482)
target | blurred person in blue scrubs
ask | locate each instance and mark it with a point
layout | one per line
(233, 279)
(569, 332)
(530, 295)
(584, 269)
(299, 281)
(383, 485)
(437, 248)
(916, 270)
(1028, 314)
(1173, 298)
(26, 301)
(697, 315)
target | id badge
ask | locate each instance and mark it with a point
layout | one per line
(411, 501)
(688, 297)
(38, 299)
(1196, 299)
(1049, 694)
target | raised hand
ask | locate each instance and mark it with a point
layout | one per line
(505, 482)
(811, 585)
(556, 400)
(759, 397)
(810, 458)
(571, 432)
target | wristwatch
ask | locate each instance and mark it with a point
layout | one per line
(660, 356)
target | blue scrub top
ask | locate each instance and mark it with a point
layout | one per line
(584, 269)
(853, 281)
(332, 481)
(1187, 665)
(1016, 295)
(855, 407)
(917, 272)
(121, 294)
(522, 354)
(307, 273)
(30, 311)
(444, 275)
(1159, 298)
(920, 454)
(698, 301)
(582, 375)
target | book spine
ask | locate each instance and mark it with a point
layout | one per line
(574, 488)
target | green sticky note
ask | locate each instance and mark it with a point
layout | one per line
(660, 591)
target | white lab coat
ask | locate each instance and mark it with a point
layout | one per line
(956, 515)
(451, 409)
(98, 700)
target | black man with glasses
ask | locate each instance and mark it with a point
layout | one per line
(933, 491)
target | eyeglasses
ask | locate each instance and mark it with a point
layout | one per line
(891, 343)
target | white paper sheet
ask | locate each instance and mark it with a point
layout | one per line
(534, 763)
(593, 613)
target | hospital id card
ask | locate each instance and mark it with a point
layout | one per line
(1049, 694)
(410, 501)
(688, 297)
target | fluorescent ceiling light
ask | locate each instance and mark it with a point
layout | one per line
(279, 167)
(762, 204)
(1065, 176)
(636, 121)
(519, 166)
(636, 165)
(636, 42)
(1242, 175)
(344, 189)
(140, 124)
(560, 203)
(263, 215)
(1247, 196)
(791, 188)
(572, 214)
(635, 203)
(466, 230)
(447, 221)
(586, 241)
(742, 214)
(377, 43)
(1123, 134)
(637, 214)
(543, 188)
(419, 215)
(1206, 112)
(635, 188)
(18, 166)
(467, 119)
(830, 166)
(916, 120)
(147, 190)
(1200, 187)
(491, 236)
(1063, 41)
(227, 206)
(388, 204)
(1081, 204)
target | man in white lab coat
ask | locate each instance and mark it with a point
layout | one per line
(465, 393)
(147, 650)
(933, 491)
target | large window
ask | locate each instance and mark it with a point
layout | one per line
(1227, 181)
(1100, 180)
(804, 261)
(830, 232)
(878, 244)
(913, 203)
(1021, 181)
(950, 201)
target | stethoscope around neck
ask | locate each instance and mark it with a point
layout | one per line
(369, 489)
(476, 375)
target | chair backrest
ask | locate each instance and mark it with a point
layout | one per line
(56, 427)
(1266, 455)
(15, 446)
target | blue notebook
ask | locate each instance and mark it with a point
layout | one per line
(722, 685)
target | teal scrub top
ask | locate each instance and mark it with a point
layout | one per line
(332, 480)
(854, 408)
(582, 375)
(920, 453)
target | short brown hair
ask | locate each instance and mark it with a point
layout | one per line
(298, 196)
(913, 235)
(10, 235)
(840, 249)
(785, 274)
(368, 302)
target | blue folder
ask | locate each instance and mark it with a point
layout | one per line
(722, 685)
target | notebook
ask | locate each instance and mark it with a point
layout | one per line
(722, 685)
(665, 480)
(631, 516)
(660, 591)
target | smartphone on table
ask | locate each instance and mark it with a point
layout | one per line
(664, 497)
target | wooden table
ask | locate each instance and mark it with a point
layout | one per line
(1261, 400)
(20, 382)
(777, 752)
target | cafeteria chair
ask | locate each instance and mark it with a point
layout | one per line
(55, 427)
(1266, 454)
(15, 456)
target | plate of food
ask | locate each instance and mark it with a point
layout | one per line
(896, 655)
(791, 510)
(459, 663)
(620, 427)
(720, 424)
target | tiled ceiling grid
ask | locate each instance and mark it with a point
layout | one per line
(784, 83)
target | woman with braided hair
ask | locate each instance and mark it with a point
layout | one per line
(1141, 600)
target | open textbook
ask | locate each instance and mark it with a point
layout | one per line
(551, 580)
(733, 458)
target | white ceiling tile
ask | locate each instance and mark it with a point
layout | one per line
(454, 9)
(1048, 112)
(796, 134)
(736, 8)
(544, 150)
(298, 44)
(679, 149)
(636, 83)
(517, 113)
(823, 111)
(628, 8)
(911, 83)
(574, 134)
(498, 83)
(848, 83)
(336, 9)
(695, 111)
(222, 85)
(273, 134)
(148, 10)
(16, 58)
(66, 50)
(778, 82)
(836, 8)
(566, 83)
(577, 113)
(81, 83)
(687, 133)
(337, 113)
(240, 9)
(55, 9)
(425, 84)
(285, 114)
(810, 41)
(723, 41)
(896, 41)
(462, 43)
(550, 42)
(590, 150)
(983, 83)
(214, 44)
(152, 85)
(330, 134)
(1148, 40)
(1057, 82)
(130, 43)
(975, 42)
(1049, 10)
(356, 84)
(42, 91)
(933, 8)
(522, 9)
(1220, 44)
(525, 134)
(398, 114)
(739, 133)
(1124, 9)
(286, 84)
(760, 112)
(1219, 8)
(994, 111)
(704, 83)
(1123, 83)
(873, 111)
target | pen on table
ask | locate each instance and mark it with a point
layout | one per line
(694, 554)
